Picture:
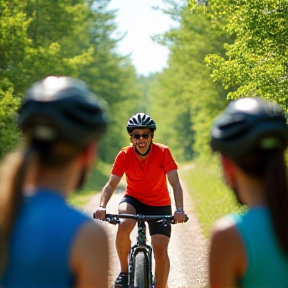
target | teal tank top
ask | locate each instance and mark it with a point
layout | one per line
(41, 243)
(267, 264)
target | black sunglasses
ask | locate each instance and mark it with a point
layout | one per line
(138, 136)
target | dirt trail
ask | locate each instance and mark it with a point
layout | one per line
(187, 248)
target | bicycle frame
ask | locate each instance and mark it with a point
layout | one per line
(143, 247)
(140, 271)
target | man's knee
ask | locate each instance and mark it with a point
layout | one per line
(126, 226)
(160, 246)
(126, 208)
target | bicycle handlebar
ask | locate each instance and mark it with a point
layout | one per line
(162, 219)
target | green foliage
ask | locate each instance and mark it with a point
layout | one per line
(211, 198)
(185, 99)
(72, 38)
(256, 63)
(145, 85)
(9, 136)
(97, 179)
(173, 118)
(117, 84)
(80, 199)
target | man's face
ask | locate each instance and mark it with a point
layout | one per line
(141, 139)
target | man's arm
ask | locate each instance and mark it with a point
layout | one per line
(106, 194)
(178, 195)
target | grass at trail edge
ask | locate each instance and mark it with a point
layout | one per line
(211, 198)
(95, 182)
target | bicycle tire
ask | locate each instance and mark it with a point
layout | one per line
(141, 273)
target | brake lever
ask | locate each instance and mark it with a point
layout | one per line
(165, 222)
(113, 220)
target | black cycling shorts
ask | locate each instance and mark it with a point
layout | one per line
(141, 208)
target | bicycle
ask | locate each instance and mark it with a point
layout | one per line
(140, 273)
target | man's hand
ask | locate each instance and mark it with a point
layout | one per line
(100, 213)
(179, 217)
(107, 192)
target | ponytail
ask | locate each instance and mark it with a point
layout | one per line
(13, 177)
(269, 165)
(13, 174)
(277, 195)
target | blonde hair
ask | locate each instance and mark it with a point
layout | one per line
(12, 175)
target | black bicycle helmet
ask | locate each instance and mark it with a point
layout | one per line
(140, 121)
(62, 108)
(248, 124)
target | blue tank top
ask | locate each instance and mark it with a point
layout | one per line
(267, 263)
(41, 243)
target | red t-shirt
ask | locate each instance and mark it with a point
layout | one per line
(146, 179)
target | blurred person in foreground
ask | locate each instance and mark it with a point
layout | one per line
(43, 241)
(147, 166)
(250, 249)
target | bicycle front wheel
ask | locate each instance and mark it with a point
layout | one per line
(141, 273)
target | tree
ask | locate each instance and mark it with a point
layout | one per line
(189, 99)
(255, 64)
(8, 131)
(73, 38)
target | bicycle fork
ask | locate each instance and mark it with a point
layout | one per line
(146, 250)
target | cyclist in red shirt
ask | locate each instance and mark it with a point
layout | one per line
(145, 165)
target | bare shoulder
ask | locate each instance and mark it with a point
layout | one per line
(89, 255)
(92, 229)
(224, 231)
(91, 240)
(223, 224)
(227, 253)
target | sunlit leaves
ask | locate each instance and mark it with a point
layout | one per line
(187, 99)
(256, 63)
(8, 131)
(72, 38)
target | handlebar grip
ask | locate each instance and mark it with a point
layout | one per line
(186, 219)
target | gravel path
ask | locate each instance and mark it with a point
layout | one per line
(187, 248)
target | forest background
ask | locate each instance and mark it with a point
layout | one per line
(221, 50)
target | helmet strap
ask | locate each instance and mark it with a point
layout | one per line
(146, 153)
